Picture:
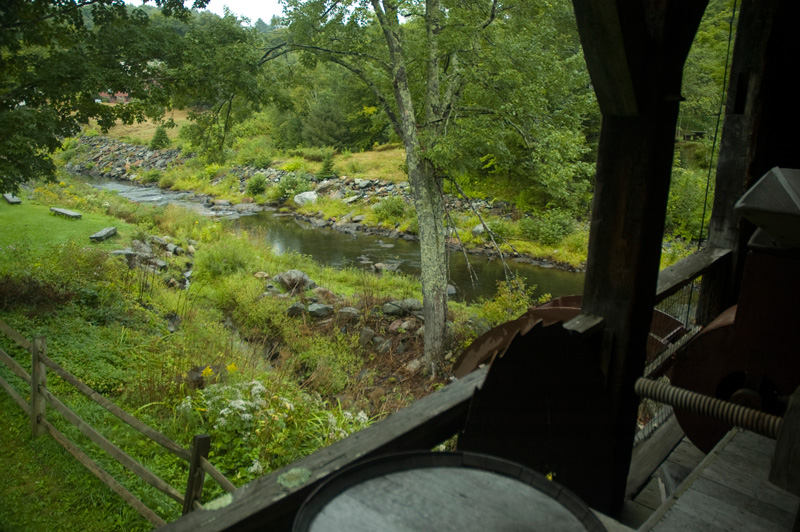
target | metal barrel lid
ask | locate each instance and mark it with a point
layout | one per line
(442, 491)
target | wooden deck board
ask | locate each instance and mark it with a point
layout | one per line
(729, 491)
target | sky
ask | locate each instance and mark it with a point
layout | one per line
(252, 9)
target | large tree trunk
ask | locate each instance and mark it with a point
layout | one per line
(433, 253)
(428, 199)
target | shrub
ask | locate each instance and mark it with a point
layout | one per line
(295, 164)
(256, 152)
(292, 184)
(160, 139)
(228, 256)
(256, 185)
(550, 227)
(151, 176)
(390, 209)
(327, 168)
(313, 154)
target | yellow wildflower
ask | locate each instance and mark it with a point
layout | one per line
(207, 372)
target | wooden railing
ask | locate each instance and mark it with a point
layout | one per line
(271, 502)
(40, 397)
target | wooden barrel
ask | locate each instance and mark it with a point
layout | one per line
(439, 492)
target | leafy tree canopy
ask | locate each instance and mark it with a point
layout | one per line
(56, 56)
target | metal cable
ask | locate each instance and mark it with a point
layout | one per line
(731, 413)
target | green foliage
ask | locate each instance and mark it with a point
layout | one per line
(105, 48)
(253, 151)
(291, 184)
(153, 175)
(512, 299)
(315, 154)
(256, 185)
(687, 192)
(221, 258)
(160, 139)
(326, 171)
(390, 209)
(549, 227)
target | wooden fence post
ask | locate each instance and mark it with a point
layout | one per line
(194, 487)
(38, 378)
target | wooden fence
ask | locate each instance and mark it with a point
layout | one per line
(40, 397)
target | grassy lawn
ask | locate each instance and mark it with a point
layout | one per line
(142, 132)
(45, 488)
(31, 222)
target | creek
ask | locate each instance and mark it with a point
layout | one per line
(285, 233)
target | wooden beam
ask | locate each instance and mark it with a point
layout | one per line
(270, 502)
(673, 278)
(759, 132)
(631, 191)
(604, 48)
(14, 335)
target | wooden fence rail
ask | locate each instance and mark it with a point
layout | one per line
(40, 397)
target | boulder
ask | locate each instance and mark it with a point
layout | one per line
(297, 309)
(366, 336)
(306, 197)
(319, 310)
(294, 280)
(326, 186)
(347, 315)
(478, 230)
(402, 307)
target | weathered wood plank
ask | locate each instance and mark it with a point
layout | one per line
(785, 467)
(100, 473)
(217, 475)
(270, 503)
(10, 390)
(12, 199)
(151, 433)
(14, 335)
(648, 455)
(38, 382)
(115, 452)
(103, 234)
(14, 366)
(686, 454)
(762, 509)
(194, 485)
(66, 213)
(673, 278)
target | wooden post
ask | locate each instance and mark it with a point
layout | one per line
(635, 53)
(194, 486)
(759, 133)
(38, 378)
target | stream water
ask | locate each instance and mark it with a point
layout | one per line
(326, 246)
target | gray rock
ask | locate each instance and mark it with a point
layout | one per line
(478, 230)
(384, 347)
(294, 280)
(402, 307)
(297, 309)
(140, 247)
(362, 183)
(395, 326)
(352, 199)
(358, 219)
(414, 366)
(366, 336)
(347, 315)
(319, 310)
(326, 186)
(306, 197)
(451, 290)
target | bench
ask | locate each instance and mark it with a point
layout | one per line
(66, 213)
(103, 234)
(12, 199)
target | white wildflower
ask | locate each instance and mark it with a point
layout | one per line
(256, 468)
(361, 417)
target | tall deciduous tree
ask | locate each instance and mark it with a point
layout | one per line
(55, 57)
(444, 70)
